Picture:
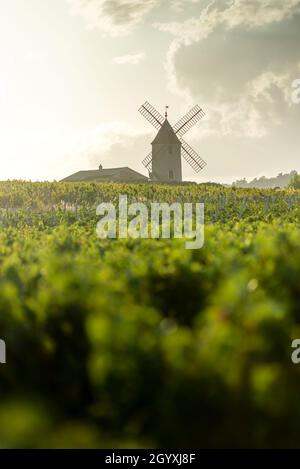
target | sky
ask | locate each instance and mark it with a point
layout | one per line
(73, 74)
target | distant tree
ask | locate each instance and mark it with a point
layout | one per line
(282, 180)
(295, 182)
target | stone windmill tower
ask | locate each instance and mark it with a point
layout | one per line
(164, 162)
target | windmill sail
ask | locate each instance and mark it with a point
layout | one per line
(147, 162)
(192, 157)
(188, 121)
(152, 115)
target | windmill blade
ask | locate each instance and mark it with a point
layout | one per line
(192, 157)
(147, 162)
(188, 121)
(152, 115)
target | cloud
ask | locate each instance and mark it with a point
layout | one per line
(238, 59)
(130, 59)
(230, 14)
(180, 5)
(111, 144)
(113, 17)
(260, 12)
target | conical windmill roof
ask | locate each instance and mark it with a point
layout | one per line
(166, 135)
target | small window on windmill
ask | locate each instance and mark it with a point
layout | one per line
(171, 174)
(170, 149)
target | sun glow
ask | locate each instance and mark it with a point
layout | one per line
(44, 96)
(28, 93)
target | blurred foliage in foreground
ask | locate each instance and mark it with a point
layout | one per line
(143, 343)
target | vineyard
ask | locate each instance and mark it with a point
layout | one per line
(143, 343)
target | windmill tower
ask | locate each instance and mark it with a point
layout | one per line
(164, 162)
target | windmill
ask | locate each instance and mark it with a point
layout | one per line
(168, 147)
